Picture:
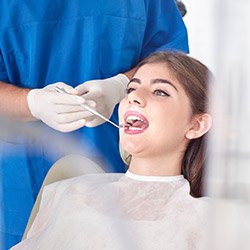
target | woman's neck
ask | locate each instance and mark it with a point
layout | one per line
(155, 166)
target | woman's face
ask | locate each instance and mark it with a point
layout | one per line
(158, 109)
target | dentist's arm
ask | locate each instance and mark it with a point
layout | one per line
(58, 110)
(13, 102)
(129, 74)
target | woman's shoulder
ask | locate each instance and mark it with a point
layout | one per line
(199, 207)
(204, 200)
(201, 202)
(187, 204)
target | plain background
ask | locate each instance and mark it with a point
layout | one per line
(200, 21)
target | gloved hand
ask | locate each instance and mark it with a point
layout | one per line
(60, 111)
(105, 93)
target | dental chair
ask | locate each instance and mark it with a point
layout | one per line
(66, 167)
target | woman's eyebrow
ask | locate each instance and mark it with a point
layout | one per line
(159, 80)
(137, 80)
(134, 80)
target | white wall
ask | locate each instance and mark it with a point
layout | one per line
(220, 37)
(200, 24)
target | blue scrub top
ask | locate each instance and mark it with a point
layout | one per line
(42, 42)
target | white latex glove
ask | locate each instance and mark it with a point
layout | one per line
(58, 110)
(105, 93)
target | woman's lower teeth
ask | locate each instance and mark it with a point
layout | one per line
(134, 128)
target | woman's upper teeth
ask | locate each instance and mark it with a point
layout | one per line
(132, 118)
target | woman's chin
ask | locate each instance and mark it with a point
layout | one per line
(133, 149)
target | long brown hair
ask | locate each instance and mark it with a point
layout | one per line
(194, 77)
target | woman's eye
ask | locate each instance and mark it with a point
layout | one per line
(129, 90)
(160, 92)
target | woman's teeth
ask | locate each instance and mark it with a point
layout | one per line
(134, 128)
(132, 119)
(134, 122)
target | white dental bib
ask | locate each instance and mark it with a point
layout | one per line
(119, 211)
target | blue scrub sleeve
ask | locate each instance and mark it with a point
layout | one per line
(165, 28)
(3, 73)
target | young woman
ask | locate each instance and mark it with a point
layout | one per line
(155, 205)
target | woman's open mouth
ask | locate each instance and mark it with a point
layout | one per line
(135, 122)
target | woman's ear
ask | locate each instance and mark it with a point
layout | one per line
(201, 123)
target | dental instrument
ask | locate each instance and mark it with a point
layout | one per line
(94, 112)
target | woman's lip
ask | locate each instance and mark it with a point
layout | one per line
(135, 130)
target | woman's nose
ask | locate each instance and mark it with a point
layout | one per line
(137, 97)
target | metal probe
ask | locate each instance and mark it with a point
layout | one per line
(94, 112)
